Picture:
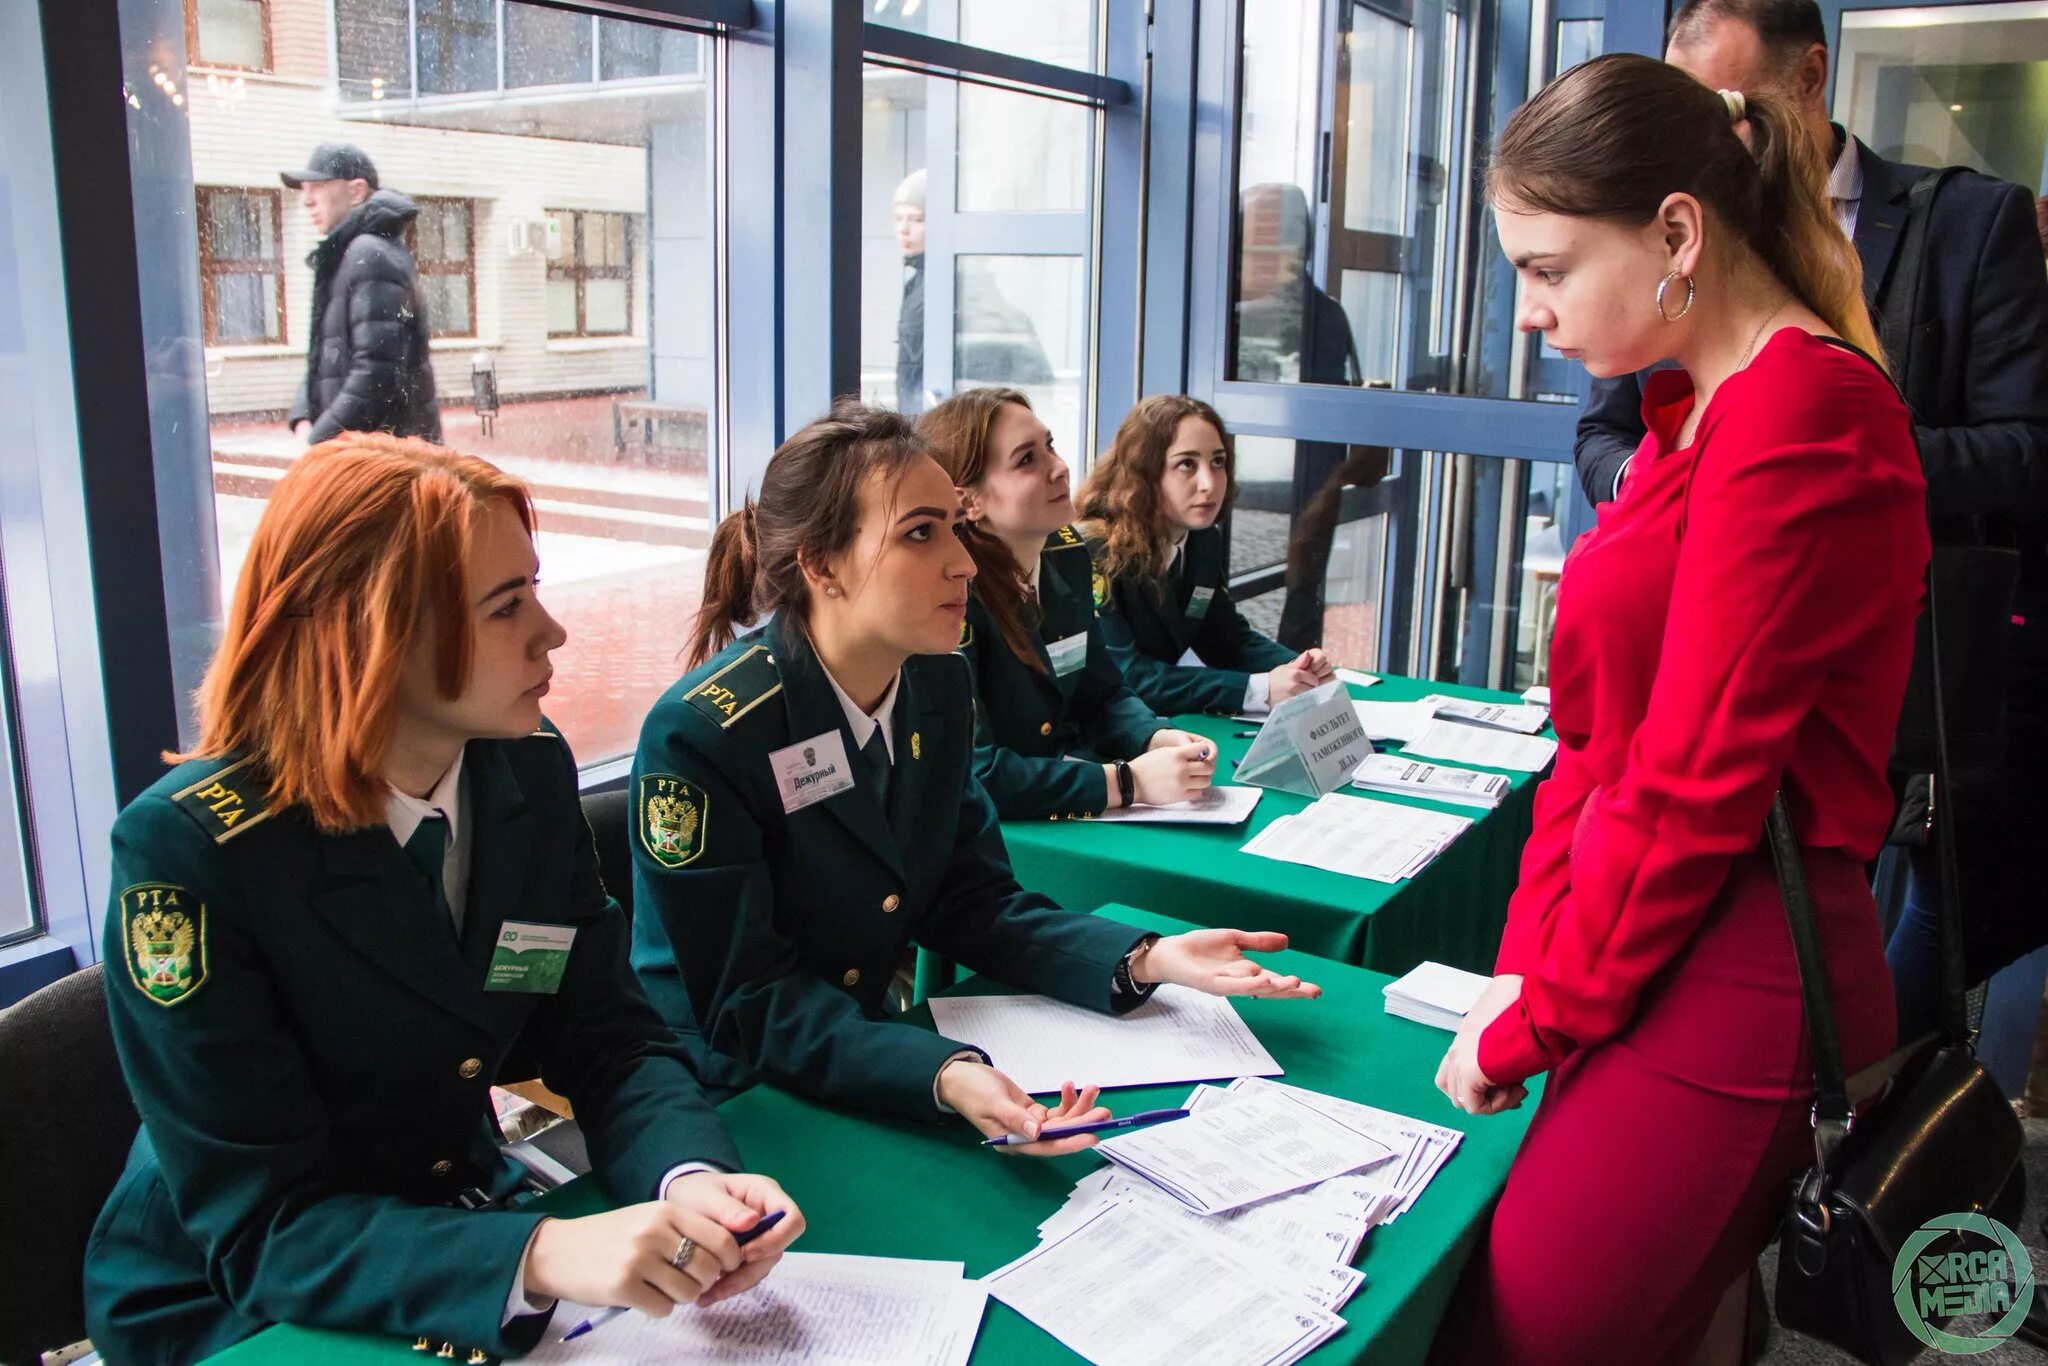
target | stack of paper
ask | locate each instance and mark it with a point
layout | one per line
(1260, 1282)
(1398, 774)
(814, 1307)
(1538, 696)
(1228, 805)
(1227, 1157)
(1361, 837)
(1356, 678)
(1524, 720)
(1181, 1034)
(1463, 744)
(1126, 1286)
(1435, 994)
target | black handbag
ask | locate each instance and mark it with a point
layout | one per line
(1933, 1135)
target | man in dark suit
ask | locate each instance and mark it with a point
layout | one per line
(1977, 380)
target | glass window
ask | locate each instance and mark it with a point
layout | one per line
(546, 46)
(458, 45)
(1348, 204)
(1578, 40)
(590, 284)
(1954, 85)
(228, 33)
(443, 239)
(949, 301)
(630, 51)
(241, 275)
(1062, 32)
(551, 204)
(373, 49)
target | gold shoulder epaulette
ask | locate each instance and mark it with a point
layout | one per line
(738, 688)
(227, 802)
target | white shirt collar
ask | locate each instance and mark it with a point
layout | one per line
(861, 723)
(403, 812)
(1845, 180)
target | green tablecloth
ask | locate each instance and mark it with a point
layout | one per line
(913, 1190)
(1452, 912)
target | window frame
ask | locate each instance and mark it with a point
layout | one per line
(576, 269)
(195, 54)
(466, 267)
(210, 268)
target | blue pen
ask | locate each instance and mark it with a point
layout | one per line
(1100, 1126)
(766, 1222)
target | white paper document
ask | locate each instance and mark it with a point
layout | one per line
(1426, 1146)
(1357, 678)
(1398, 721)
(1402, 776)
(1179, 1035)
(1435, 994)
(1225, 805)
(1124, 1287)
(814, 1307)
(1265, 1145)
(1522, 719)
(1304, 1238)
(1360, 837)
(1538, 696)
(1463, 744)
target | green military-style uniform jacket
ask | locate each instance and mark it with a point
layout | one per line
(1028, 721)
(311, 1049)
(780, 930)
(1148, 628)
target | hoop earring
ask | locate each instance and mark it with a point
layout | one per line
(1665, 284)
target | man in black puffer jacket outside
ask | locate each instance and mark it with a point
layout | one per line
(367, 365)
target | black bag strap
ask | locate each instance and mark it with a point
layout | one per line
(1895, 321)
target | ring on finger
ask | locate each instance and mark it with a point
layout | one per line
(685, 1250)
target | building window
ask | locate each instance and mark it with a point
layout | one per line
(373, 49)
(443, 243)
(228, 33)
(590, 285)
(458, 42)
(241, 270)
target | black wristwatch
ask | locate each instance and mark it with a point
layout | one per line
(1126, 785)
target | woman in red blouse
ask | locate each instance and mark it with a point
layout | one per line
(1740, 620)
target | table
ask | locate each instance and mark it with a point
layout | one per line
(1452, 912)
(902, 1189)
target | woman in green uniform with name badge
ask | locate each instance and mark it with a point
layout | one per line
(1047, 692)
(318, 959)
(1149, 510)
(807, 812)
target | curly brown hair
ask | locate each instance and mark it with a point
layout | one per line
(1120, 501)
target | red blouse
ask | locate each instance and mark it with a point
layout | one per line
(1741, 617)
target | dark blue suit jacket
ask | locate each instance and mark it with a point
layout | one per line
(1977, 362)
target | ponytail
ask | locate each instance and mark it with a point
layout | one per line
(729, 572)
(1794, 230)
(808, 510)
(1615, 136)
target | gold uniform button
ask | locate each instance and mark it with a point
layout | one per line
(470, 1067)
(443, 1168)
(1045, 727)
(891, 902)
(852, 977)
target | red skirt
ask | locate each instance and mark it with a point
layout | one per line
(1659, 1162)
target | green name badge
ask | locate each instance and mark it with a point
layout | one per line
(530, 957)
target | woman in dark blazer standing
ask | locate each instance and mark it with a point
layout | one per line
(1149, 511)
(1740, 622)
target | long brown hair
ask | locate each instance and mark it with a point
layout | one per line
(808, 510)
(363, 546)
(1614, 136)
(959, 431)
(1120, 501)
